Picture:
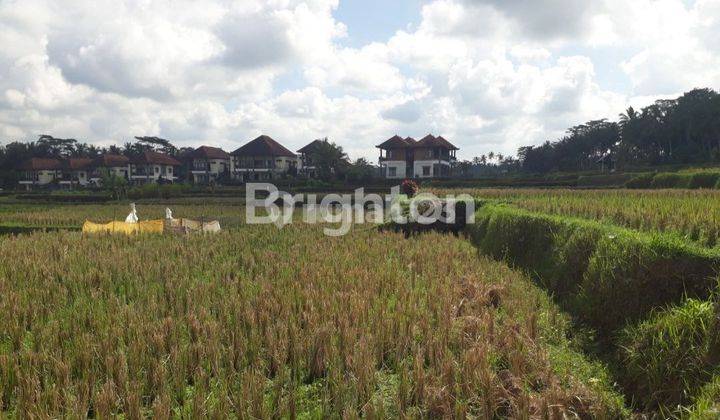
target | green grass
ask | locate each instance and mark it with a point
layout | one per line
(692, 215)
(669, 357)
(686, 179)
(592, 267)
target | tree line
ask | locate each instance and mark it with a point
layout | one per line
(685, 130)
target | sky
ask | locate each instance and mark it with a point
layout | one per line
(488, 75)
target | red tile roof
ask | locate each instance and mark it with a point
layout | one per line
(111, 160)
(76, 164)
(263, 146)
(207, 152)
(155, 158)
(40, 164)
(395, 142)
(310, 148)
(432, 141)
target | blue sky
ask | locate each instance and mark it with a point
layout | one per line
(376, 20)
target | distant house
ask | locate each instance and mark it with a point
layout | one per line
(117, 165)
(206, 164)
(39, 171)
(153, 167)
(307, 166)
(263, 159)
(430, 157)
(75, 172)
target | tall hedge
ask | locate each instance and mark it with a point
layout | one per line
(605, 275)
(686, 180)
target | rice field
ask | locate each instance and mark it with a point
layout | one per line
(229, 213)
(260, 323)
(691, 214)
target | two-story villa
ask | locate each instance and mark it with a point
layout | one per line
(206, 164)
(263, 159)
(307, 166)
(39, 171)
(430, 157)
(117, 165)
(75, 172)
(153, 167)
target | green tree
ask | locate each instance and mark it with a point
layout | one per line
(360, 171)
(330, 159)
(113, 184)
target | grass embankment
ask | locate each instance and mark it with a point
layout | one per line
(691, 215)
(259, 322)
(610, 278)
(688, 179)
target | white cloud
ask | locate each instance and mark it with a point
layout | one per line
(487, 74)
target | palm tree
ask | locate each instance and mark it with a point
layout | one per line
(629, 116)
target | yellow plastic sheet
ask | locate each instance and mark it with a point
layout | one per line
(149, 226)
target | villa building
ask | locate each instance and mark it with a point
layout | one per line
(75, 172)
(307, 166)
(39, 171)
(263, 159)
(206, 164)
(115, 165)
(153, 167)
(430, 157)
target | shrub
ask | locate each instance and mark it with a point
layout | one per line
(604, 180)
(158, 191)
(671, 180)
(642, 181)
(704, 180)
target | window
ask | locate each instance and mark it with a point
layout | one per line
(157, 169)
(392, 171)
(426, 170)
